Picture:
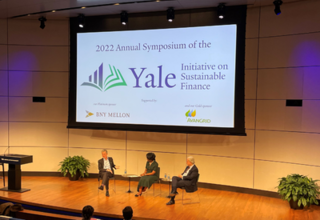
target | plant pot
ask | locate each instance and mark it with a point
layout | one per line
(75, 177)
(294, 204)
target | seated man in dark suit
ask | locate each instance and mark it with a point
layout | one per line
(106, 171)
(188, 180)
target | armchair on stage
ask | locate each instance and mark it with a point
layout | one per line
(185, 194)
(14, 172)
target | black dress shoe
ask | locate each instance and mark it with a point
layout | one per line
(107, 193)
(137, 195)
(100, 187)
(171, 202)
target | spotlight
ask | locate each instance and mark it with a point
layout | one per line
(170, 14)
(81, 20)
(277, 4)
(42, 20)
(221, 10)
(124, 17)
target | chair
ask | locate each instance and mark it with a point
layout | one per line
(3, 175)
(185, 192)
(157, 181)
(112, 178)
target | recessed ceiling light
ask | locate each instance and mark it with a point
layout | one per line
(117, 4)
(83, 7)
(53, 10)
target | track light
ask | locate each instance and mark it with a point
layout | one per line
(124, 17)
(170, 14)
(42, 20)
(277, 4)
(81, 20)
(221, 10)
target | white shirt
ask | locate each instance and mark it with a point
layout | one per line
(186, 173)
(106, 164)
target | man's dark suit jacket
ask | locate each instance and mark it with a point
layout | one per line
(101, 166)
(193, 178)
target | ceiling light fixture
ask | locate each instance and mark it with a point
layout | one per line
(124, 17)
(221, 10)
(277, 4)
(170, 14)
(42, 22)
(81, 20)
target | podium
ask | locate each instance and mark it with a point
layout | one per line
(14, 173)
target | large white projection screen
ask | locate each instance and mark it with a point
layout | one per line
(171, 77)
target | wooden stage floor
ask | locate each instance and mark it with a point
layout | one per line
(61, 193)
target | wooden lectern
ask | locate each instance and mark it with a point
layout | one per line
(14, 172)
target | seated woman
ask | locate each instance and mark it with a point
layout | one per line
(150, 174)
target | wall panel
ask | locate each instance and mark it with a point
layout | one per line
(44, 158)
(251, 84)
(3, 108)
(3, 83)
(3, 134)
(286, 83)
(100, 139)
(27, 32)
(53, 110)
(38, 58)
(3, 32)
(250, 114)
(222, 145)
(48, 84)
(267, 174)
(290, 51)
(225, 171)
(150, 141)
(252, 28)
(275, 115)
(38, 134)
(290, 147)
(3, 57)
(251, 57)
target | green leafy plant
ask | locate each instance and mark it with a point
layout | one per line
(299, 188)
(72, 164)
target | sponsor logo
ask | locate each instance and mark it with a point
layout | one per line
(119, 115)
(113, 114)
(98, 82)
(191, 113)
(89, 114)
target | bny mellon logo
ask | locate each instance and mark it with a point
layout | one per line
(114, 79)
(89, 114)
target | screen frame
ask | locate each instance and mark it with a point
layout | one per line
(95, 24)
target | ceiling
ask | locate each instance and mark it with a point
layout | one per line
(13, 8)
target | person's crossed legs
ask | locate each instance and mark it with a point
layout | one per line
(177, 182)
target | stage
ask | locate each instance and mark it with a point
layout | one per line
(61, 194)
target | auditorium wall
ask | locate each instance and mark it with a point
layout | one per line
(282, 62)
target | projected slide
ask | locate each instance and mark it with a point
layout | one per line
(171, 77)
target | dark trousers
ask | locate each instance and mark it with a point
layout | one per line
(105, 178)
(177, 182)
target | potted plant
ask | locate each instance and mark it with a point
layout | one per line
(300, 191)
(74, 167)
